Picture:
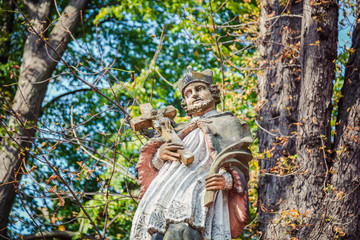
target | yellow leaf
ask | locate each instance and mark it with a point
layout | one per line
(314, 120)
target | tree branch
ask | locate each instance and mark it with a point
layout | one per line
(63, 95)
(62, 33)
(63, 235)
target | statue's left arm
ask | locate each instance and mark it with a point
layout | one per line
(233, 141)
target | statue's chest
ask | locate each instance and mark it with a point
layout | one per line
(195, 141)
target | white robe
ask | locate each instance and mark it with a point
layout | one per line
(177, 195)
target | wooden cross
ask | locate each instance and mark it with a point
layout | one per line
(160, 119)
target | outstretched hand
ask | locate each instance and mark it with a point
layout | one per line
(215, 182)
(169, 152)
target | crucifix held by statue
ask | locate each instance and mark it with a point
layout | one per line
(194, 175)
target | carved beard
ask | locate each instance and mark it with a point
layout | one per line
(198, 107)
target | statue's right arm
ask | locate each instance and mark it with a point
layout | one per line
(167, 152)
(157, 162)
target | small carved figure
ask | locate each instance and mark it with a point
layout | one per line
(195, 188)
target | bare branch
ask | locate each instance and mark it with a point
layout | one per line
(64, 235)
(65, 94)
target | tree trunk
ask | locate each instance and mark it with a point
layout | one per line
(278, 91)
(39, 62)
(294, 204)
(343, 214)
(318, 54)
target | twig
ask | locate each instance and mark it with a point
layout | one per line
(84, 149)
(109, 182)
(220, 57)
(23, 126)
(157, 71)
(65, 94)
(158, 50)
(272, 134)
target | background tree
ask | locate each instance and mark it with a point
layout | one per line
(300, 191)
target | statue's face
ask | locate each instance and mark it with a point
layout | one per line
(198, 98)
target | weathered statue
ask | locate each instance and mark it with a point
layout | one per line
(195, 188)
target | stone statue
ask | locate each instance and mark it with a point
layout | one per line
(194, 176)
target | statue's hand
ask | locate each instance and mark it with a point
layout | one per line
(215, 182)
(169, 152)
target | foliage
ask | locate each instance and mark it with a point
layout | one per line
(12, 37)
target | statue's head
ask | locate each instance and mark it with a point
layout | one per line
(199, 93)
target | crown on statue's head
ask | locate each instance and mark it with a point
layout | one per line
(205, 76)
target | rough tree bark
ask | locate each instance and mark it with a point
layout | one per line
(297, 205)
(343, 211)
(278, 97)
(38, 64)
(318, 53)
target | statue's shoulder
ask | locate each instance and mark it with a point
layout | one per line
(226, 116)
(226, 122)
(179, 126)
